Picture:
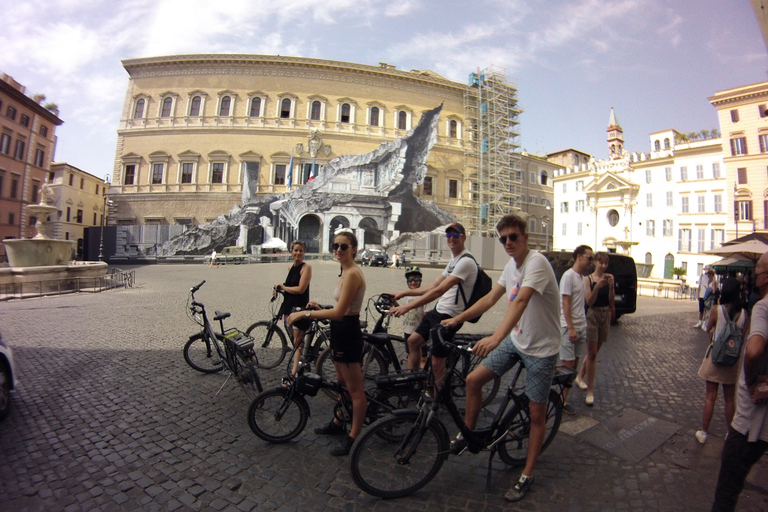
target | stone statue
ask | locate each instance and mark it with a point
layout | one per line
(46, 194)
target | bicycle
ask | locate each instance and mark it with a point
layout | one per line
(271, 345)
(211, 352)
(280, 414)
(401, 453)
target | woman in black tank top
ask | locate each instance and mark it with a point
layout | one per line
(599, 298)
(296, 288)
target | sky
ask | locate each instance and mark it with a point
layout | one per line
(654, 61)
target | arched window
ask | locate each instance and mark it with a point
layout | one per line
(138, 112)
(375, 116)
(194, 108)
(226, 101)
(285, 108)
(255, 107)
(656, 145)
(402, 120)
(345, 110)
(666, 143)
(648, 258)
(314, 114)
(543, 176)
(453, 128)
(167, 104)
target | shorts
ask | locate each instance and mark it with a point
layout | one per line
(701, 305)
(346, 340)
(539, 370)
(430, 320)
(598, 324)
(571, 351)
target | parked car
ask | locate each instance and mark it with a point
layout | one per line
(377, 259)
(624, 277)
(7, 377)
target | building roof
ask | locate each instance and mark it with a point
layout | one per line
(18, 95)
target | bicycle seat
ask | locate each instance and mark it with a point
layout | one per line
(378, 339)
(219, 315)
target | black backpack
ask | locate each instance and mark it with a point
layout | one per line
(483, 285)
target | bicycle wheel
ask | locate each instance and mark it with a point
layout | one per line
(513, 451)
(389, 400)
(459, 382)
(276, 416)
(373, 364)
(201, 355)
(248, 377)
(268, 343)
(324, 367)
(375, 458)
(314, 344)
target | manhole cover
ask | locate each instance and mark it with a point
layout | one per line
(631, 434)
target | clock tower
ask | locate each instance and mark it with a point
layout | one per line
(615, 137)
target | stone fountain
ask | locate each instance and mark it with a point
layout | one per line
(43, 259)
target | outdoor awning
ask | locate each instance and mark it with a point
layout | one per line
(732, 265)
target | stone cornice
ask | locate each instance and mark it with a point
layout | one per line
(748, 92)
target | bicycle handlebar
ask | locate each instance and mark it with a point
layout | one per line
(195, 288)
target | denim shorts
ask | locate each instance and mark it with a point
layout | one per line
(539, 370)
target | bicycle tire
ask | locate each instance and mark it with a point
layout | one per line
(202, 355)
(269, 352)
(374, 460)
(325, 368)
(247, 377)
(513, 451)
(317, 342)
(389, 400)
(263, 413)
(459, 382)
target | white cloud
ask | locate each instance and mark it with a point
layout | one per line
(400, 8)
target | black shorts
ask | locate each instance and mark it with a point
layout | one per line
(347, 340)
(701, 306)
(430, 320)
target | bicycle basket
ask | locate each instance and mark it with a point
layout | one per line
(308, 383)
(242, 341)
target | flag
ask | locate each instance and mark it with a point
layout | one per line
(312, 170)
(290, 172)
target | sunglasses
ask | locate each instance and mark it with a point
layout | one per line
(414, 280)
(512, 238)
(342, 247)
(452, 234)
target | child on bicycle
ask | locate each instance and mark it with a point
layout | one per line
(413, 317)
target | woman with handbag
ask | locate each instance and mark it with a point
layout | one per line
(599, 296)
(717, 375)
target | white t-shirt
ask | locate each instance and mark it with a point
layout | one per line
(537, 334)
(703, 284)
(412, 318)
(466, 270)
(572, 284)
(751, 419)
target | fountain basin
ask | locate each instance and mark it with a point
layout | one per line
(38, 252)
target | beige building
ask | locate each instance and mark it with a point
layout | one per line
(195, 128)
(536, 197)
(80, 199)
(743, 114)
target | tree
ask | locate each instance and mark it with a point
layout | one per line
(679, 272)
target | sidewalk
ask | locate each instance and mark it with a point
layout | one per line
(108, 416)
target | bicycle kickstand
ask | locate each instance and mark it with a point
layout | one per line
(222, 386)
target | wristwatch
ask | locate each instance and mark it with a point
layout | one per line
(306, 313)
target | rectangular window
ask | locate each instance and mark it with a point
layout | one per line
(649, 200)
(35, 190)
(82, 183)
(10, 113)
(79, 219)
(426, 187)
(669, 198)
(14, 186)
(763, 139)
(69, 213)
(24, 120)
(217, 173)
(684, 204)
(716, 170)
(39, 157)
(741, 175)
(668, 173)
(700, 240)
(71, 179)
(684, 173)
(11, 218)
(532, 177)
(647, 175)
(19, 153)
(5, 144)
(280, 174)
(130, 175)
(94, 218)
(684, 240)
(717, 238)
(453, 188)
(699, 172)
(157, 175)
(578, 228)
(744, 210)
(579, 185)
(667, 225)
(580, 205)
(650, 228)
(564, 207)
(700, 204)
(44, 130)
(565, 230)
(735, 116)
(2, 179)
(565, 188)
(718, 203)
(532, 226)
(739, 146)
(187, 168)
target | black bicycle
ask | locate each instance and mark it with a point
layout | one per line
(270, 344)
(401, 453)
(280, 414)
(210, 352)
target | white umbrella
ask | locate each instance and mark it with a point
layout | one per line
(751, 250)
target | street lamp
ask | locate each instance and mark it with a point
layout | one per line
(104, 213)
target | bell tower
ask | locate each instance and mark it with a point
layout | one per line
(615, 137)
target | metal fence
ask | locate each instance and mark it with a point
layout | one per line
(115, 278)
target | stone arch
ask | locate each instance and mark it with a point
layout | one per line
(371, 231)
(309, 232)
(338, 222)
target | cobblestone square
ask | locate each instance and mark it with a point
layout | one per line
(108, 416)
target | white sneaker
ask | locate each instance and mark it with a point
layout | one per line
(580, 383)
(698, 325)
(701, 436)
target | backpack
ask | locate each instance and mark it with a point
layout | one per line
(726, 347)
(483, 285)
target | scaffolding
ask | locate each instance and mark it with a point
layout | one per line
(491, 160)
